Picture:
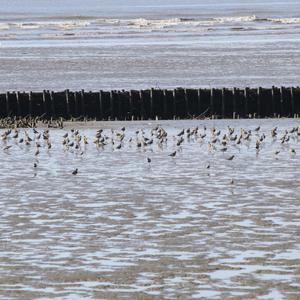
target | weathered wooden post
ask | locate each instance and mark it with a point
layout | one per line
(30, 104)
(273, 101)
(174, 104)
(100, 105)
(212, 96)
(82, 103)
(165, 104)
(234, 106)
(7, 104)
(151, 104)
(52, 99)
(281, 101)
(142, 104)
(223, 103)
(246, 101)
(121, 112)
(259, 102)
(111, 103)
(187, 104)
(131, 104)
(292, 101)
(18, 104)
(67, 103)
(45, 110)
(199, 102)
(76, 104)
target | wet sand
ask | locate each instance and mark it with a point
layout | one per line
(124, 228)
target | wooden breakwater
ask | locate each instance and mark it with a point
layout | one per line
(154, 103)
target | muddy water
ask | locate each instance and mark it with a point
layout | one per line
(169, 229)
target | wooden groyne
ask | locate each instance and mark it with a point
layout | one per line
(154, 103)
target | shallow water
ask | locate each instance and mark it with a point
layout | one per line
(169, 229)
(140, 44)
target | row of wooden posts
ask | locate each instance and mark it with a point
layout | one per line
(154, 103)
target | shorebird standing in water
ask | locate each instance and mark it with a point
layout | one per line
(16, 134)
(181, 133)
(173, 154)
(7, 147)
(230, 157)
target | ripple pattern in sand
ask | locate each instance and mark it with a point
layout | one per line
(174, 229)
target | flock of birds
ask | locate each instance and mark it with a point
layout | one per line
(30, 122)
(215, 139)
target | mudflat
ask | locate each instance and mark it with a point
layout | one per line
(196, 225)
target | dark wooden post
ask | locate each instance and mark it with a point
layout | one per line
(174, 104)
(76, 104)
(112, 109)
(68, 103)
(131, 104)
(259, 102)
(45, 103)
(165, 105)
(199, 102)
(52, 99)
(212, 95)
(187, 104)
(18, 103)
(246, 101)
(281, 101)
(100, 105)
(234, 101)
(120, 97)
(273, 100)
(7, 104)
(30, 104)
(142, 105)
(82, 103)
(151, 104)
(292, 101)
(223, 103)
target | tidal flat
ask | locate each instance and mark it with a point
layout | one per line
(203, 223)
